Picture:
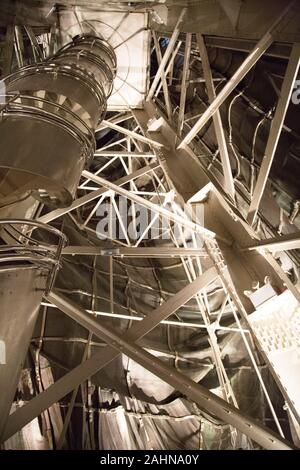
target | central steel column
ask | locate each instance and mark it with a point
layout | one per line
(27, 270)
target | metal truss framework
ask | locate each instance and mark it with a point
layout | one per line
(90, 366)
(244, 68)
(277, 123)
(148, 152)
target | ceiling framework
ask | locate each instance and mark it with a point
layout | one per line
(230, 257)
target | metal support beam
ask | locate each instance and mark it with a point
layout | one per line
(132, 134)
(184, 81)
(72, 379)
(149, 205)
(148, 252)
(100, 153)
(228, 179)
(8, 50)
(179, 324)
(166, 55)
(52, 39)
(63, 433)
(170, 67)
(194, 391)
(37, 53)
(276, 127)
(282, 243)
(95, 194)
(19, 46)
(281, 50)
(115, 120)
(243, 69)
(163, 77)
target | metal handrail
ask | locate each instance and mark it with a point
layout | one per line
(34, 251)
(26, 248)
(74, 71)
(59, 122)
(41, 261)
(51, 103)
(86, 138)
(92, 58)
(89, 39)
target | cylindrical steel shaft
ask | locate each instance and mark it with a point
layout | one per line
(48, 120)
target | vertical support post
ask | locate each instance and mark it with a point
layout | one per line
(185, 76)
(36, 50)
(170, 66)
(276, 127)
(228, 179)
(111, 283)
(163, 77)
(166, 55)
(8, 50)
(53, 39)
(19, 45)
